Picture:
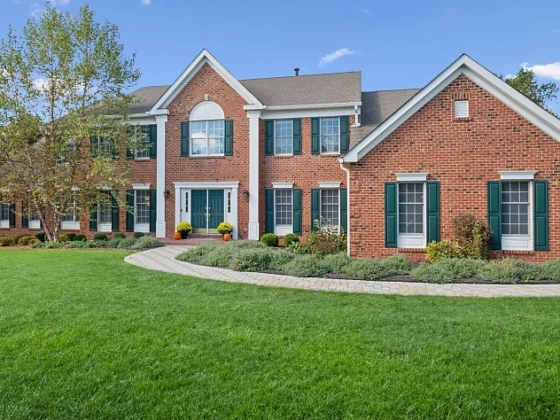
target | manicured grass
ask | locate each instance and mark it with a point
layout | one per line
(85, 336)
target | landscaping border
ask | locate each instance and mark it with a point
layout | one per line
(164, 259)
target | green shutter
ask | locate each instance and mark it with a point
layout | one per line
(344, 209)
(433, 211)
(541, 215)
(130, 210)
(315, 206)
(153, 207)
(228, 137)
(184, 139)
(269, 208)
(269, 137)
(297, 211)
(115, 213)
(344, 134)
(315, 137)
(153, 141)
(93, 146)
(12, 215)
(391, 215)
(495, 213)
(297, 135)
(93, 217)
(24, 217)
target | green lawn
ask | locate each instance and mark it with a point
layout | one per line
(85, 336)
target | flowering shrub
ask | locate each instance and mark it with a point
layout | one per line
(443, 249)
(327, 239)
(184, 227)
(225, 227)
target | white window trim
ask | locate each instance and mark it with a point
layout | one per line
(412, 177)
(141, 186)
(75, 225)
(413, 240)
(275, 131)
(321, 137)
(331, 185)
(191, 142)
(521, 242)
(282, 230)
(34, 224)
(140, 227)
(321, 202)
(517, 175)
(282, 185)
(103, 227)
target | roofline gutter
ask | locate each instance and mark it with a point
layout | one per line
(313, 106)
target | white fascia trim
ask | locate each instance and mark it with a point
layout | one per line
(282, 185)
(313, 106)
(517, 175)
(329, 184)
(145, 120)
(464, 65)
(306, 113)
(203, 58)
(205, 184)
(140, 186)
(412, 177)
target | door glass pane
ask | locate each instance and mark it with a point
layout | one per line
(411, 208)
(515, 208)
(284, 207)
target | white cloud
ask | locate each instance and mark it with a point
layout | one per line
(546, 71)
(41, 85)
(364, 11)
(329, 58)
(146, 2)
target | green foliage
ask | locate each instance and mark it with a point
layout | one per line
(251, 260)
(473, 236)
(336, 262)
(119, 235)
(114, 242)
(369, 269)
(217, 258)
(526, 83)
(41, 236)
(16, 238)
(99, 237)
(398, 263)
(26, 240)
(448, 269)
(270, 239)
(279, 259)
(510, 270)
(442, 249)
(197, 253)
(298, 249)
(290, 238)
(550, 270)
(78, 245)
(79, 238)
(306, 266)
(138, 235)
(64, 238)
(146, 242)
(327, 240)
(6, 241)
(126, 243)
(225, 227)
(184, 227)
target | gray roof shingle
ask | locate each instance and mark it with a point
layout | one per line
(145, 98)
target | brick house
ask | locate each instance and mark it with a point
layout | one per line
(393, 168)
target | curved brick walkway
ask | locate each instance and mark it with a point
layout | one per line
(163, 259)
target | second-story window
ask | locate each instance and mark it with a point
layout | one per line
(208, 138)
(283, 137)
(330, 135)
(143, 152)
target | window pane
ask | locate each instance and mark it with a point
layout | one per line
(284, 208)
(106, 210)
(515, 208)
(144, 152)
(329, 135)
(216, 141)
(4, 212)
(142, 207)
(283, 137)
(329, 207)
(72, 213)
(411, 208)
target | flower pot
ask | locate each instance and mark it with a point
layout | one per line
(226, 237)
(184, 235)
(177, 236)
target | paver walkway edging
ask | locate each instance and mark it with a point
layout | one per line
(163, 259)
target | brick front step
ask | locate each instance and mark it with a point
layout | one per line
(192, 240)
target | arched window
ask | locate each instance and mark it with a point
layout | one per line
(207, 128)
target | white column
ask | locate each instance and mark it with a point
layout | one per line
(234, 211)
(254, 119)
(160, 185)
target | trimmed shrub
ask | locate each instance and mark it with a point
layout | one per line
(78, 244)
(442, 249)
(473, 236)
(99, 237)
(550, 270)
(251, 260)
(216, 258)
(290, 239)
(114, 242)
(71, 236)
(448, 269)
(79, 238)
(41, 236)
(119, 235)
(138, 235)
(298, 249)
(99, 244)
(236, 245)
(270, 239)
(146, 242)
(53, 245)
(306, 266)
(368, 269)
(510, 270)
(126, 243)
(64, 238)
(196, 254)
(326, 240)
(399, 264)
(6, 241)
(335, 263)
(26, 240)
(16, 238)
(433, 273)
(279, 259)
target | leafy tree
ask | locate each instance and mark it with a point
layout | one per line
(526, 83)
(60, 78)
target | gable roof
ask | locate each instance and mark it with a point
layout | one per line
(145, 98)
(488, 81)
(201, 59)
(332, 88)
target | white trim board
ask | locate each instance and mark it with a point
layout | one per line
(412, 177)
(491, 83)
(207, 185)
(196, 65)
(517, 175)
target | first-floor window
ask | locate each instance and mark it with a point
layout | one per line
(71, 218)
(411, 208)
(515, 208)
(105, 213)
(34, 220)
(283, 206)
(4, 215)
(330, 207)
(142, 207)
(208, 138)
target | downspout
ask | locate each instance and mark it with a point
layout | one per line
(341, 162)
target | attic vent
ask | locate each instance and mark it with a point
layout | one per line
(462, 109)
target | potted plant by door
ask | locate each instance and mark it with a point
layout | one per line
(225, 229)
(184, 228)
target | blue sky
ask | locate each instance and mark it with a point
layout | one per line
(396, 44)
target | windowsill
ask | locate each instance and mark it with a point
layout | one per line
(144, 228)
(462, 119)
(516, 252)
(412, 250)
(331, 154)
(283, 156)
(206, 156)
(142, 159)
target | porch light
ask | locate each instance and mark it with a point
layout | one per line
(246, 195)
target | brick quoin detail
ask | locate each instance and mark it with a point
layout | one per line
(463, 155)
